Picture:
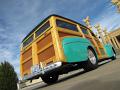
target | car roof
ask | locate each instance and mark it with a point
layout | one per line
(47, 19)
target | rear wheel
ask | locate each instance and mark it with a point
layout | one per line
(49, 79)
(92, 62)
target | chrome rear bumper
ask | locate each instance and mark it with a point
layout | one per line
(42, 71)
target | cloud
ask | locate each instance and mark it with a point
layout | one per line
(16, 20)
(109, 18)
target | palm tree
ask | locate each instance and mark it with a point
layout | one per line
(117, 4)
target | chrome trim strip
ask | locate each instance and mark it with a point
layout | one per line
(43, 71)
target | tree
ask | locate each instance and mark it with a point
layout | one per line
(8, 77)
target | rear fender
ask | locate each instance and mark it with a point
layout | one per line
(75, 48)
(109, 50)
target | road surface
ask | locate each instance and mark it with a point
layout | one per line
(105, 77)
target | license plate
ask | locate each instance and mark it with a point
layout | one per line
(35, 69)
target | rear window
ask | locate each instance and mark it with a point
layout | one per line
(29, 40)
(66, 25)
(42, 29)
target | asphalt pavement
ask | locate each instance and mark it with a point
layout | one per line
(105, 77)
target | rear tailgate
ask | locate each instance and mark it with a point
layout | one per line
(45, 49)
(45, 54)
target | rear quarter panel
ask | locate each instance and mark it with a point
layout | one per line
(75, 48)
(109, 50)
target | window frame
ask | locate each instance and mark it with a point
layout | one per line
(84, 29)
(68, 22)
(32, 35)
(49, 25)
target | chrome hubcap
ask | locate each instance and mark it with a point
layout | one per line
(92, 57)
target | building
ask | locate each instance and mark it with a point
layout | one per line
(115, 38)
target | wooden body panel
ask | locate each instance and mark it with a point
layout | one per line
(27, 54)
(27, 65)
(26, 61)
(45, 49)
(44, 41)
(46, 54)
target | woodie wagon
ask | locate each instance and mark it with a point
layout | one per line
(59, 45)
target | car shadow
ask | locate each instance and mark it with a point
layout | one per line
(61, 79)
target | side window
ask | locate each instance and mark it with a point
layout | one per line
(66, 25)
(42, 29)
(84, 31)
(29, 40)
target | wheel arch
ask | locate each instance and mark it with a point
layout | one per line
(75, 47)
(109, 50)
(91, 48)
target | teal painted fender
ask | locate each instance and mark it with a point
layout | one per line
(109, 50)
(75, 49)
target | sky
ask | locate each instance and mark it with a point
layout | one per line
(19, 17)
